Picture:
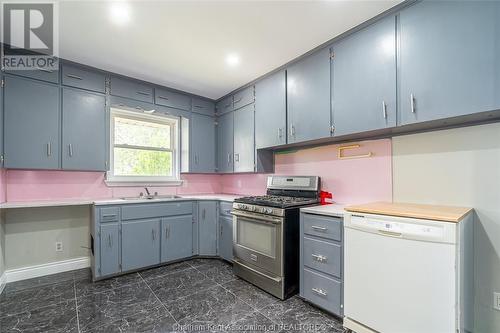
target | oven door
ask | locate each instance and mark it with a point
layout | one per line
(258, 240)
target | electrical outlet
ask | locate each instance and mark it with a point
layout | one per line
(496, 301)
(59, 246)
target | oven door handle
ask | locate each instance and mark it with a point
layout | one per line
(276, 279)
(259, 217)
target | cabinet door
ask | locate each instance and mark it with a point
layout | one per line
(225, 143)
(226, 238)
(140, 243)
(83, 111)
(450, 59)
(244, 97)
(203, 106)
(131, 89)
(84, 78)
(225, 105)
(172, 99)
(42, 74)
(365, 62)
(308, 90)
(110, 249)
(270, 111)
(244, 140)
(207, 224)
(31, 124)
(177, 237)
(202, 144)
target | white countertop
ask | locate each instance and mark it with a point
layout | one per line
(330, 210)
(113, 201)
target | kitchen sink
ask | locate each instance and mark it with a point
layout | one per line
(152, 197)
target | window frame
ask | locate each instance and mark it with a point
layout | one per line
(174, 122)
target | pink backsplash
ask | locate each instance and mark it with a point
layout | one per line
(350, 180)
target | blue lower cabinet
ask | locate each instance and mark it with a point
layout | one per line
(176, 237)
(140, 243)
(207, 228)
(109, 249)
(226, 237)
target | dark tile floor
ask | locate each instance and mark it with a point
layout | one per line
(199, 295)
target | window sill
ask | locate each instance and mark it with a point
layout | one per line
(141, 183)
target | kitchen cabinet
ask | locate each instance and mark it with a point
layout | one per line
(81, 111)
(203, 106)
(270, 111)
(225, 132)
(177, 237)
(225, 105)
(308, 97)
(31, 123)
(1, 122)
(243, 97)
(83, 78)
(244, 139)
(365, 62)
(47, 75)
(125, 87)
(172, 99)
(225, 239)
(140, 243)
(109, 249)
(207, 228)
(449, 59)
(202, 155)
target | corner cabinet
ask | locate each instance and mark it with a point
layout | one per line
(202, 152)
(365, 62)
(449, 59)
(308, 102)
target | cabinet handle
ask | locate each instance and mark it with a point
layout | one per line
(109, 241)
(153, 233)
(142, 93)
(221, 228)
(384, 109)
(203, 213)
(70, 150)
(319, 257)
(315, 227)
(228, 158)
(161, 97)
(195, 159)
(167, 232)
(239, 100)
(236, 157)
(412, 103)
(227, 105)
(253, 257)
(108, 216)
(49, 149)
(319, 291)
(45, 70)
(198, 106)
(73, 76)
(280, 133)
(292, 130)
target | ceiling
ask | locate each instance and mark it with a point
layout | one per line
(184, 44)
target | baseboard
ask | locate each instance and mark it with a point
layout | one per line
(3, 281)
(30, 272)
(354, 326)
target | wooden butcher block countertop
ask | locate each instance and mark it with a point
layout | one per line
(427, 212)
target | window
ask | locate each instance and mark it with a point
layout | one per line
(144, 148)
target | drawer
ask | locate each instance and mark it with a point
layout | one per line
(109, 214)
(144, 211)
(323, 256)
(322, 226)
(203, 106)
(226, 105)
(131, 89)
(172, 99)
(225, 208)
(243, 97)
(75, 76)
(322, 291)
(38, 74)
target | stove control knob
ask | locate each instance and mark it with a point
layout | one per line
(254, 209)
(269, 210)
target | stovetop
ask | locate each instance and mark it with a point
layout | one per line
(278, 201)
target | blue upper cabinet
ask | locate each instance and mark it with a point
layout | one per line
(244, 139)
(31, 123)
(308, 90)
(81, 111)
(225, 105)
(203, 106)
(225, 133)
(243, 97)
(270, 111)
(41, 74)
(83, 78)
(202, 152)
(129, 88)
(172, 99)
(365, 63)
(449, 59)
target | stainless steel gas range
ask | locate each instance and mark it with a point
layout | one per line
(266, 233)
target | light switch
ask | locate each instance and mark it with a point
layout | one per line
(496, 301)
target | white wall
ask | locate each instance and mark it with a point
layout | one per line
(459, 167)
(31, 234)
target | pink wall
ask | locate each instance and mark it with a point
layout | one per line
(350, 180)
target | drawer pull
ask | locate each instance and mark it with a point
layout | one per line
(161, 97)
(315, 227)
(238, 100)
(319, 257)
(142, 93)
(73, 76)
(253, 257)
(107, 216)
(319, 291)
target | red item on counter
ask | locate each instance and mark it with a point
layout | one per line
(323, 196)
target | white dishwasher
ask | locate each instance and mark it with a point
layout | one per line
(403, 275)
